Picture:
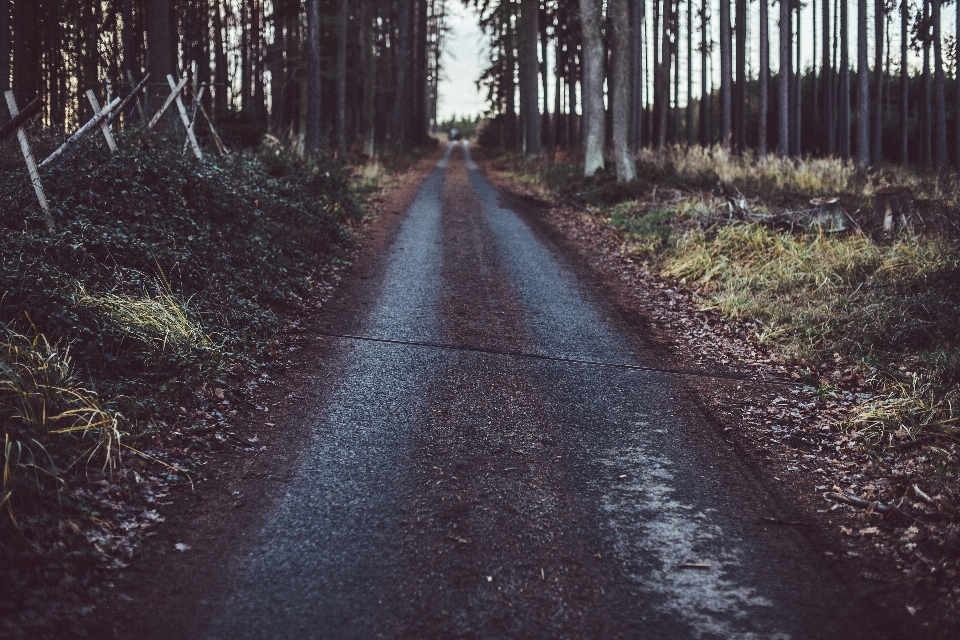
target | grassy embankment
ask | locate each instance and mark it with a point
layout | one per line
(886, 306)
(164, 281)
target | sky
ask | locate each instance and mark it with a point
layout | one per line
(464, 58)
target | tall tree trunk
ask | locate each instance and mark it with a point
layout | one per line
(689, 118)
(827, 78)
(844, 120)
(636, 73)
(418, 105)
(547, 130)
(259, 79)
(764, 80)
(529, 80)
(160, 54)
(705, 130)
(556, 129)
(783, 142)
(740, 100)
(593, 63)
(879, 21)
(399, 122)
(813, 66)
(622, 44)
(314, 97)
(863, 89)
(904, 82)
(509, 86)
(939, 102)
(341, 122)
(656, 101)
(369, 82)
(220, 75)
(5, 46)
(666, 56)
(926, 111)
(956, 95)
(796, 137)
(726, 77)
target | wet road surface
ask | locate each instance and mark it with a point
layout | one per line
(449, 493)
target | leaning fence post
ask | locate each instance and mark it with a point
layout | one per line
(166, 105)
(28, 157)
(185, 119)
(104, 124)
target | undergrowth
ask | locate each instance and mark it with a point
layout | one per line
(162, 275)
(888, 306)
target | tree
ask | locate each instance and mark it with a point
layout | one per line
(764, 80)
(622, 37)
(863, 89)
(400, 120)
(784, 80)
(312, 137)
(726, 76)
(341, 126)
(827, 77)
(4, 45)
(939, 104)
(529, 80)
(844, 118)
(159, 37)
(904, 82)
(593, 61)
(740, 101)
(879, 20)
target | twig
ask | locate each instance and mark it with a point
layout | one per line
(853, 501)
(157, 460)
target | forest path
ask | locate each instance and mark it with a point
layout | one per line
(444, 493)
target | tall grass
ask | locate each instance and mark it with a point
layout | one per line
(51, 422)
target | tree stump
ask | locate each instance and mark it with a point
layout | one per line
(894, 209)
(829, 215)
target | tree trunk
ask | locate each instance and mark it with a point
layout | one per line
(636, 73)
(904, 82)
(622, 46)
(956, 95)
(878, 29)
(401, 102)
(740, 100)
(666, 55)
(863, 89)
(510, 88)
(529, 80)
(827, 78)
(314, 97)
(341, 123)
(368, 130)
(690, 136)
(656, 101)
(556, 131)
(220, 77)
(796, 137)
(844, 120)
(5, 46)
(160, 53)
(705, 132)
(726, 77)
(783, 142)
(939, 103)
(926, 119)
(764, 80)
(418, 105)
(593, 52)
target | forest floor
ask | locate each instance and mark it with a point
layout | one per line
(881, 491)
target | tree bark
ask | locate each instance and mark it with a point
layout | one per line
(844, 119)
(783, 146)
(399, 123)
(5, 45)
(510, 87)
(689, 118)
(663, 91)
(368, 130)
(622, 37)
(956, 95)
(593, 63)
(636, 73)
(726, 77)
(863, 89)
(764, 80)
(220, 77)
(926, 107)
(740, 100)
(343, 11)
(878, 29)
(939, 96)
(706, 132)
(827, 78)
(904, 82)
(160, 54)
(312, 125)
(529, 78)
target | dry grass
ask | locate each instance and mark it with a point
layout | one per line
(51, 422)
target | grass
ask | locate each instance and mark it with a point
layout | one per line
(887, 306)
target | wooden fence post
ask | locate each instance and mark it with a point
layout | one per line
(28, 157)
(104, 124)
(82, 131)
(166, 105)
(184, 118)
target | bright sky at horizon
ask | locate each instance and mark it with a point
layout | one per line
(464, 58)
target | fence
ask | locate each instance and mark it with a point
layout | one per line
(103, 118)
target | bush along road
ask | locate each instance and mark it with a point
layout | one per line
(481, 441)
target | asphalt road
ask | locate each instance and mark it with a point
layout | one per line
(448, 493)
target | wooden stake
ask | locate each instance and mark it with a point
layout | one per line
(28, 157)
(104, 124)
(131, 96)
(166, 105)
(32, 109)
(184, 118)
(213, 131)
(143, 114)
(82, 131)
(193, 116)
